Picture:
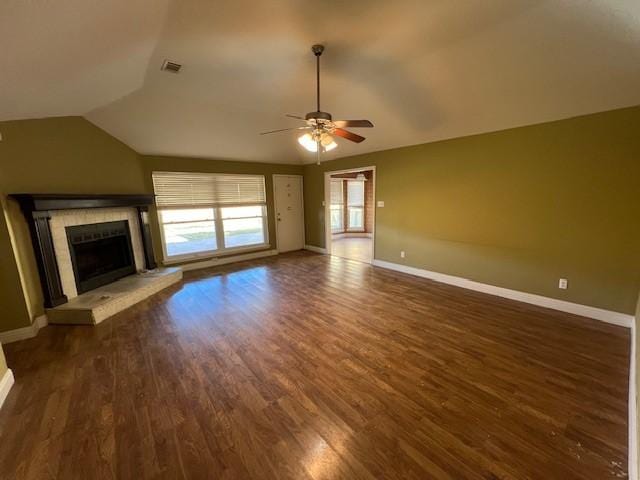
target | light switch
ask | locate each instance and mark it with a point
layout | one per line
(380, 203)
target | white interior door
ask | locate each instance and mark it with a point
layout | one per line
(289, 212)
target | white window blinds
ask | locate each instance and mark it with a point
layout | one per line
(182, 189)
(336, 192)
(355, 193)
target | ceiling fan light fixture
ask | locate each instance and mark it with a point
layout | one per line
(327, 142)
(326, 139)
(331, 146)
(321, 124)
(308, 142)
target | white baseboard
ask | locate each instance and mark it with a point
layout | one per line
(41, 321)
(224, 260)
(608, 316)
(23, 333)
(5, 385)
(633, 408)
(313, 248)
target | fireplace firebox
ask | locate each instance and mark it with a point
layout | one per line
(100, 253)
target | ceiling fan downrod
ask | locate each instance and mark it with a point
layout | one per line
(317, 51)
(318, 114)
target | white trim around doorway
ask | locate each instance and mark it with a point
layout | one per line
(327, 206)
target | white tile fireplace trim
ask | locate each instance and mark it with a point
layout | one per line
(67, 218)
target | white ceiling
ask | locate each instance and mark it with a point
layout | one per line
(420, 70)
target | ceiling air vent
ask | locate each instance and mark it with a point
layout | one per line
(171, 66)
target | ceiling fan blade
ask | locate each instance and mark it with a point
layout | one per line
(297, 117)
(348, 135)
(283, 130)
(353, 123)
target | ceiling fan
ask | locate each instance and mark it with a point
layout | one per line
(319, 126)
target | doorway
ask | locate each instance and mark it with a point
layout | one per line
(288, 202)
(350, 213)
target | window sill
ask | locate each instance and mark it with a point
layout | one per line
(215, 254)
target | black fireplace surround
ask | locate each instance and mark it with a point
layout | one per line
(37, 210)
(101, 253)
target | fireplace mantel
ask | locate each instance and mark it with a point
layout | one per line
(37, 202)
(36, 208)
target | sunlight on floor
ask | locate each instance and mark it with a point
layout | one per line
(353, 248)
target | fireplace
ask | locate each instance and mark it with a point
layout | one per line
(48, 216)
(100, 253)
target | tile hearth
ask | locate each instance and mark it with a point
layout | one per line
(93, 307)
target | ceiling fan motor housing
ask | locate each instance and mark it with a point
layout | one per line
(318, 116)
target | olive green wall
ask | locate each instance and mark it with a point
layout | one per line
(14, 310)
(52, 155)
(13, 306)
(181, 164)
(518, 208)
(66, 154)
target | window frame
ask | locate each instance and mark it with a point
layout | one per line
(361, 207)
(166, 258)
(221, 248)
(265, 227)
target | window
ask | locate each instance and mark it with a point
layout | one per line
(337, 206)
(243, 225)
(355, 205)
(201, 214)
(188, 231)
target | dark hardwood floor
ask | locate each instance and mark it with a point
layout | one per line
(304, 366)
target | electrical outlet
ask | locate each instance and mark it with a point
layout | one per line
(563, 283)
(402, 254)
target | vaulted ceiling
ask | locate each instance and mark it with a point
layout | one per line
(421, 70)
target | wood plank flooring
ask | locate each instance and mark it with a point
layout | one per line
(306, 367)
(353, 248)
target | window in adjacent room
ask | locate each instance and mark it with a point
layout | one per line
(337, 206)
(201, 213)
(355, 205)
